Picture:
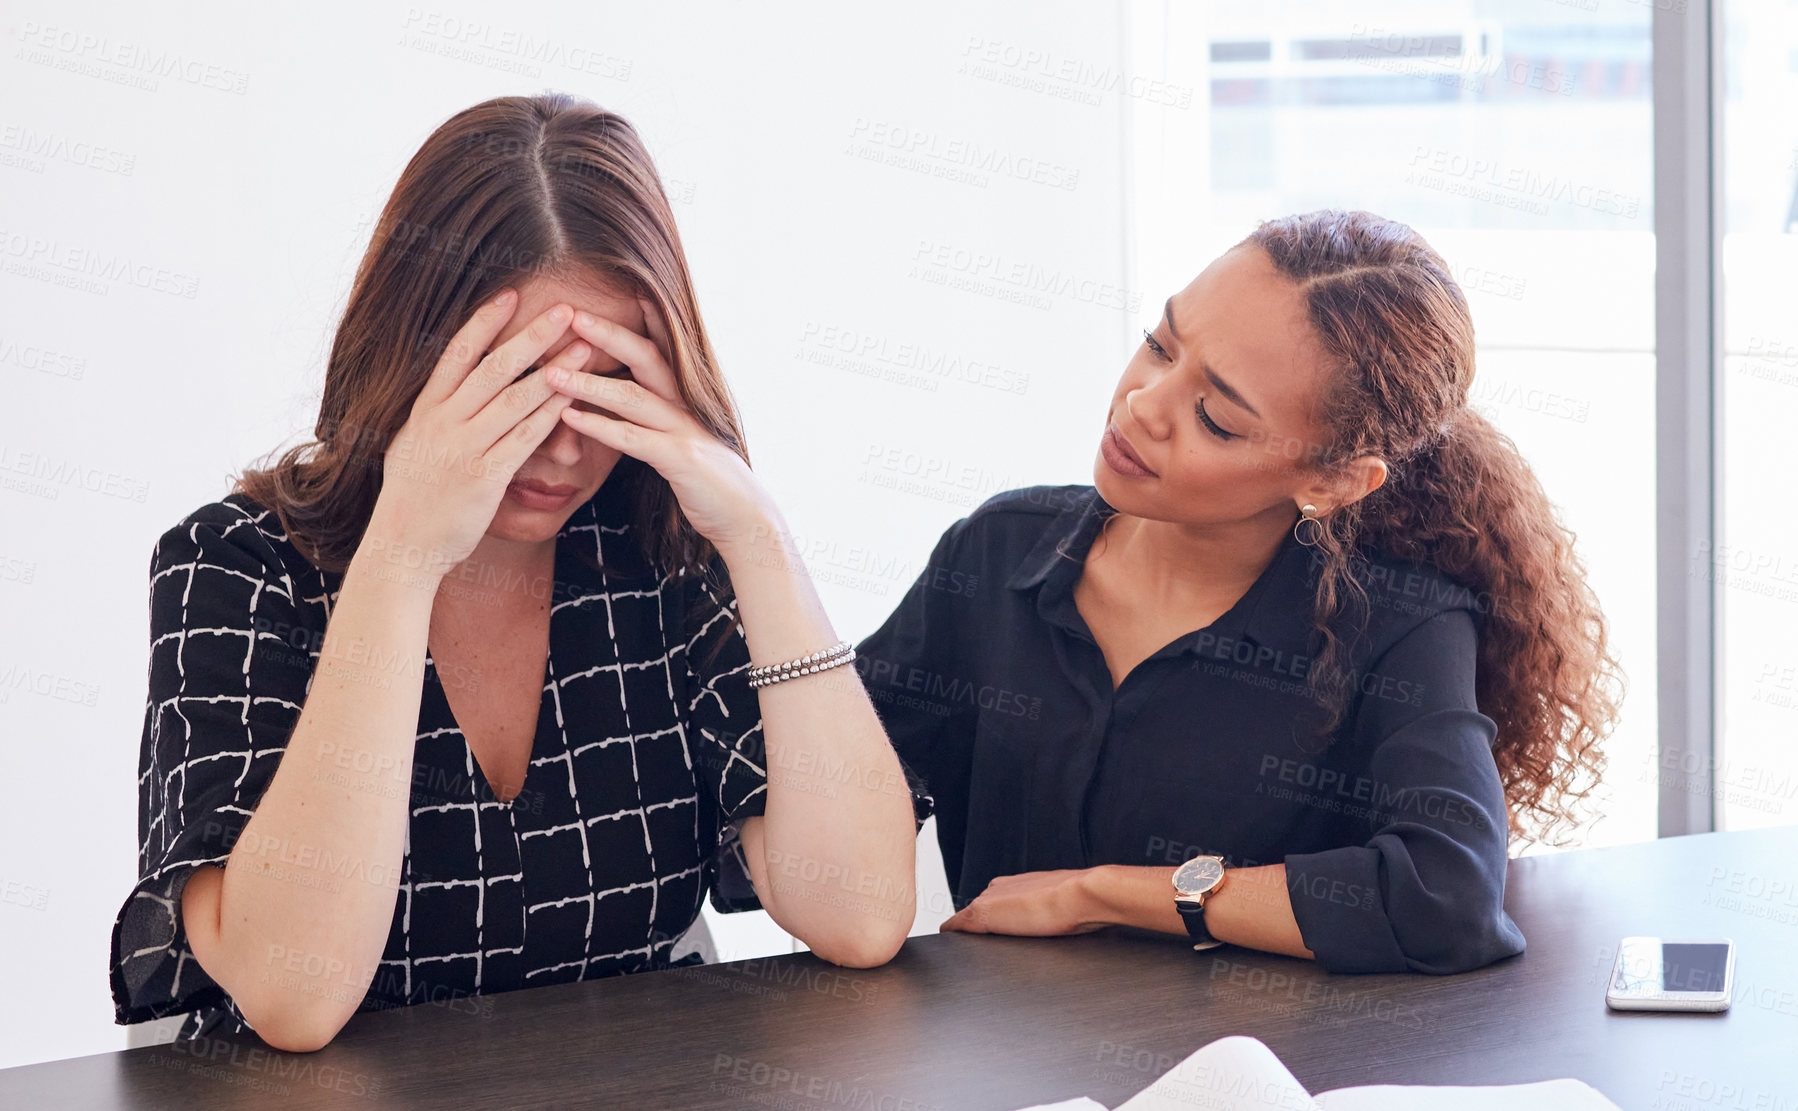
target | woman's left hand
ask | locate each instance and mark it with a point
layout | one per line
(717, 491)
(1032, 904)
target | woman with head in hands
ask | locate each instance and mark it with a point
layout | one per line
(1290, 671)
(459, 698)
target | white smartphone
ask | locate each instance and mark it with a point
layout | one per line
(1672, 974)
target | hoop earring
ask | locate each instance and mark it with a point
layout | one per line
(1308, 514)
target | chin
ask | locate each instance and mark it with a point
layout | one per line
(528, 526)
(1122, 496)
(1116, 494)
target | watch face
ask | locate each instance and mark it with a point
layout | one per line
(1198, 875)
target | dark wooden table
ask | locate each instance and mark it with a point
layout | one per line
(989, 1022)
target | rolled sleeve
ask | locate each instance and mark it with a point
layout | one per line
(1425, 892)
(229, 667)
(724, 723)
(926, 635)
(919, 636)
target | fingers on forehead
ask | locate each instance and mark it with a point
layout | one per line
(545, 331)
(628, 346)
(532, 341)
(596, 361)
(481, 331)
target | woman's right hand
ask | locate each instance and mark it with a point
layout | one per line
(472, 426)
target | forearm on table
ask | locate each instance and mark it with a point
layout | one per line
(1252, 909)
(293, 929)
(838, 837)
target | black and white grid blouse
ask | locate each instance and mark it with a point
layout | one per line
(647, 757)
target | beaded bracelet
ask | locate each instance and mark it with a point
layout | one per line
(835, 656)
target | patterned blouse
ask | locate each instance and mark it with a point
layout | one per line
(647, 758)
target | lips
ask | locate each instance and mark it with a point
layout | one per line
(535, 494)
(1121, 455)
(546, 489)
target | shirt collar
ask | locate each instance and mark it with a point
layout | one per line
(1276, 609)
(1069, 536)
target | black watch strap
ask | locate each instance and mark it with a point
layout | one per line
(1192, 912)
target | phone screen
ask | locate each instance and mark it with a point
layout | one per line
(1674, 966)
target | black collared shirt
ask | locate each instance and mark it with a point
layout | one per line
(1393, 833)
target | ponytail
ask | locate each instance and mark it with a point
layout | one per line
(1459, 497)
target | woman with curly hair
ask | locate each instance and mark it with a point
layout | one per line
(1291, 671)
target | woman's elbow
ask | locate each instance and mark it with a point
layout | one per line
(868, 943)
(300, 1039)
(297, 1033)
(290, 1025)
(1460, 938)
(858, 954)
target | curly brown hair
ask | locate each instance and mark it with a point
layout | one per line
(1459, 497)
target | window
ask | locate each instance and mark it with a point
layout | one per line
(1754, 564)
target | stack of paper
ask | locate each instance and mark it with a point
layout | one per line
(1242, 1074)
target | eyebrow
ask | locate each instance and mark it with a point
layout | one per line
(1223, 387)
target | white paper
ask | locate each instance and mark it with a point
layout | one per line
(1544, 1095)
(1242, 1074)
(1078, 1103)
(1231, 1074)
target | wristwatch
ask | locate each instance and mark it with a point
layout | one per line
(1194, 882)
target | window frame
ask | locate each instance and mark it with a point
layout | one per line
(1688, 212)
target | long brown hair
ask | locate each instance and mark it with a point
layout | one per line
(510, 189)
(1398, 336)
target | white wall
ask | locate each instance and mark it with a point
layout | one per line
(183, 198)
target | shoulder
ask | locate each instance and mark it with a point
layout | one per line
(1404, 596)
(1025, 504)
(1006, 531)
(236, 537)
(1018, 517)
(235, 520)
